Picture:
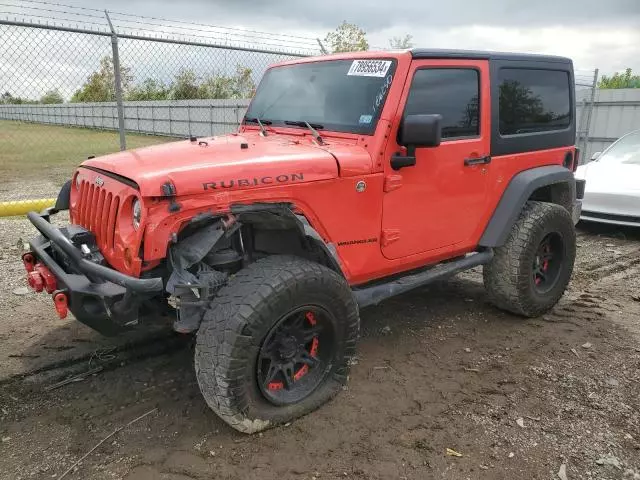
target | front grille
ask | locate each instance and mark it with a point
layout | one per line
(97, 212)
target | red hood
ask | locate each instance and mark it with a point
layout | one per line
(225, 163)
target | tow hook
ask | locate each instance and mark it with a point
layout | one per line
(29, 262)
(40, 278)
(61, 303)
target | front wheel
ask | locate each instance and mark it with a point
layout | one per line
(276, 342)
(531, 271)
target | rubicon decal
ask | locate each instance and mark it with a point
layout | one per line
(255, 181)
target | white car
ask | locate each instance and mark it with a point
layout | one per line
(612, 191)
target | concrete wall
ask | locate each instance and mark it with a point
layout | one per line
(179, 118)
(615, 112)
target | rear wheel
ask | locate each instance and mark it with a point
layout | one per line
(276, 342)
(531, 271)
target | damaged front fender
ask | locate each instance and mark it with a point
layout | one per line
(281, 216)
(201, 262)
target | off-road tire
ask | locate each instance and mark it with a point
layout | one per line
(237, 322)
(508, 278)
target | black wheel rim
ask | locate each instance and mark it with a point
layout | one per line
(295, 355)
(547, 262)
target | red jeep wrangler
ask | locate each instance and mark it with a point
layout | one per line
(352, 178)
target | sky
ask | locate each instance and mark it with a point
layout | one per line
(601, 34)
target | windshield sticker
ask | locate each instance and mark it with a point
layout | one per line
(366, 118)
(369, 68)
(383, 92)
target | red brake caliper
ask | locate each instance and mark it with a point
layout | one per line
(312, 351)
(545, 264)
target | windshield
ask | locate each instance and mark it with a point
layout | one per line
(338, 95)
(625, 150)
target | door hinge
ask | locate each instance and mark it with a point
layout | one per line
(389, 236)
(392, 182)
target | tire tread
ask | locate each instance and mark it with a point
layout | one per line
(506, 277)
(231, 324)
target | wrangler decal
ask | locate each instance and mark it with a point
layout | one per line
(253, 182)
(357, 242)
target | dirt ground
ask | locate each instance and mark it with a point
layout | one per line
(437, 368)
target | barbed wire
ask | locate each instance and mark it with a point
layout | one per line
(236, 31)
(200, 30)
(251, 38)
(160, 31)
(49, 20)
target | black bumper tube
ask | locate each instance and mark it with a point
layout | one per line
(94, 272)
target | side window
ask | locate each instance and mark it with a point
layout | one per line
(533, 100)
(450, 92)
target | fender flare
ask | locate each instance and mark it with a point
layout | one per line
(519, 190)
(64, 197)
(328, 248)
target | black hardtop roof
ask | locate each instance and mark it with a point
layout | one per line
(484, 55)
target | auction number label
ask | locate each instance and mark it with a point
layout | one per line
(369, 68)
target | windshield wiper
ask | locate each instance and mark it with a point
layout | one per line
(311, 126)
(261, 124)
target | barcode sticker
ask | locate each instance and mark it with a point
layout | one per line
(369, 68)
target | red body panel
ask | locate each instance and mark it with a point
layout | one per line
(221, 161)
(106, 211)
(433, 211)
(446, 197)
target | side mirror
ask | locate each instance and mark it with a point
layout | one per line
(417, 131)
(421, 131)
(595, 156)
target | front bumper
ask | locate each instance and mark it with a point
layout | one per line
(98, 296)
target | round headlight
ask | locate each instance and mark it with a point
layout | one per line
(137, 213)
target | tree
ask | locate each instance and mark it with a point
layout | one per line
(216, 86)
(101, 85)
(52, 96)
(470, 115)
(348, 37)
(620, 80)
(185, 86)
(243, 84)
(188, 86)
(401, 43)
(8, 99)
(150, 89)
(518, 106)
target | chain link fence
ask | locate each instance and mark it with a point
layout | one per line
(130, 81)
(127, 82)
(586, 84)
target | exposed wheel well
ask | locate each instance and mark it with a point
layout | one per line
(291, 242)
(274, 229)
(559, 193)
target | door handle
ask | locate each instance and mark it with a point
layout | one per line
(477, 161)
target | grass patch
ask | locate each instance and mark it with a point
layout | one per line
(52, 152)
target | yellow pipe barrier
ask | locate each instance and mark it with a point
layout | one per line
(22, 207)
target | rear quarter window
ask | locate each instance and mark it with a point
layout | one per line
(533, 100)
